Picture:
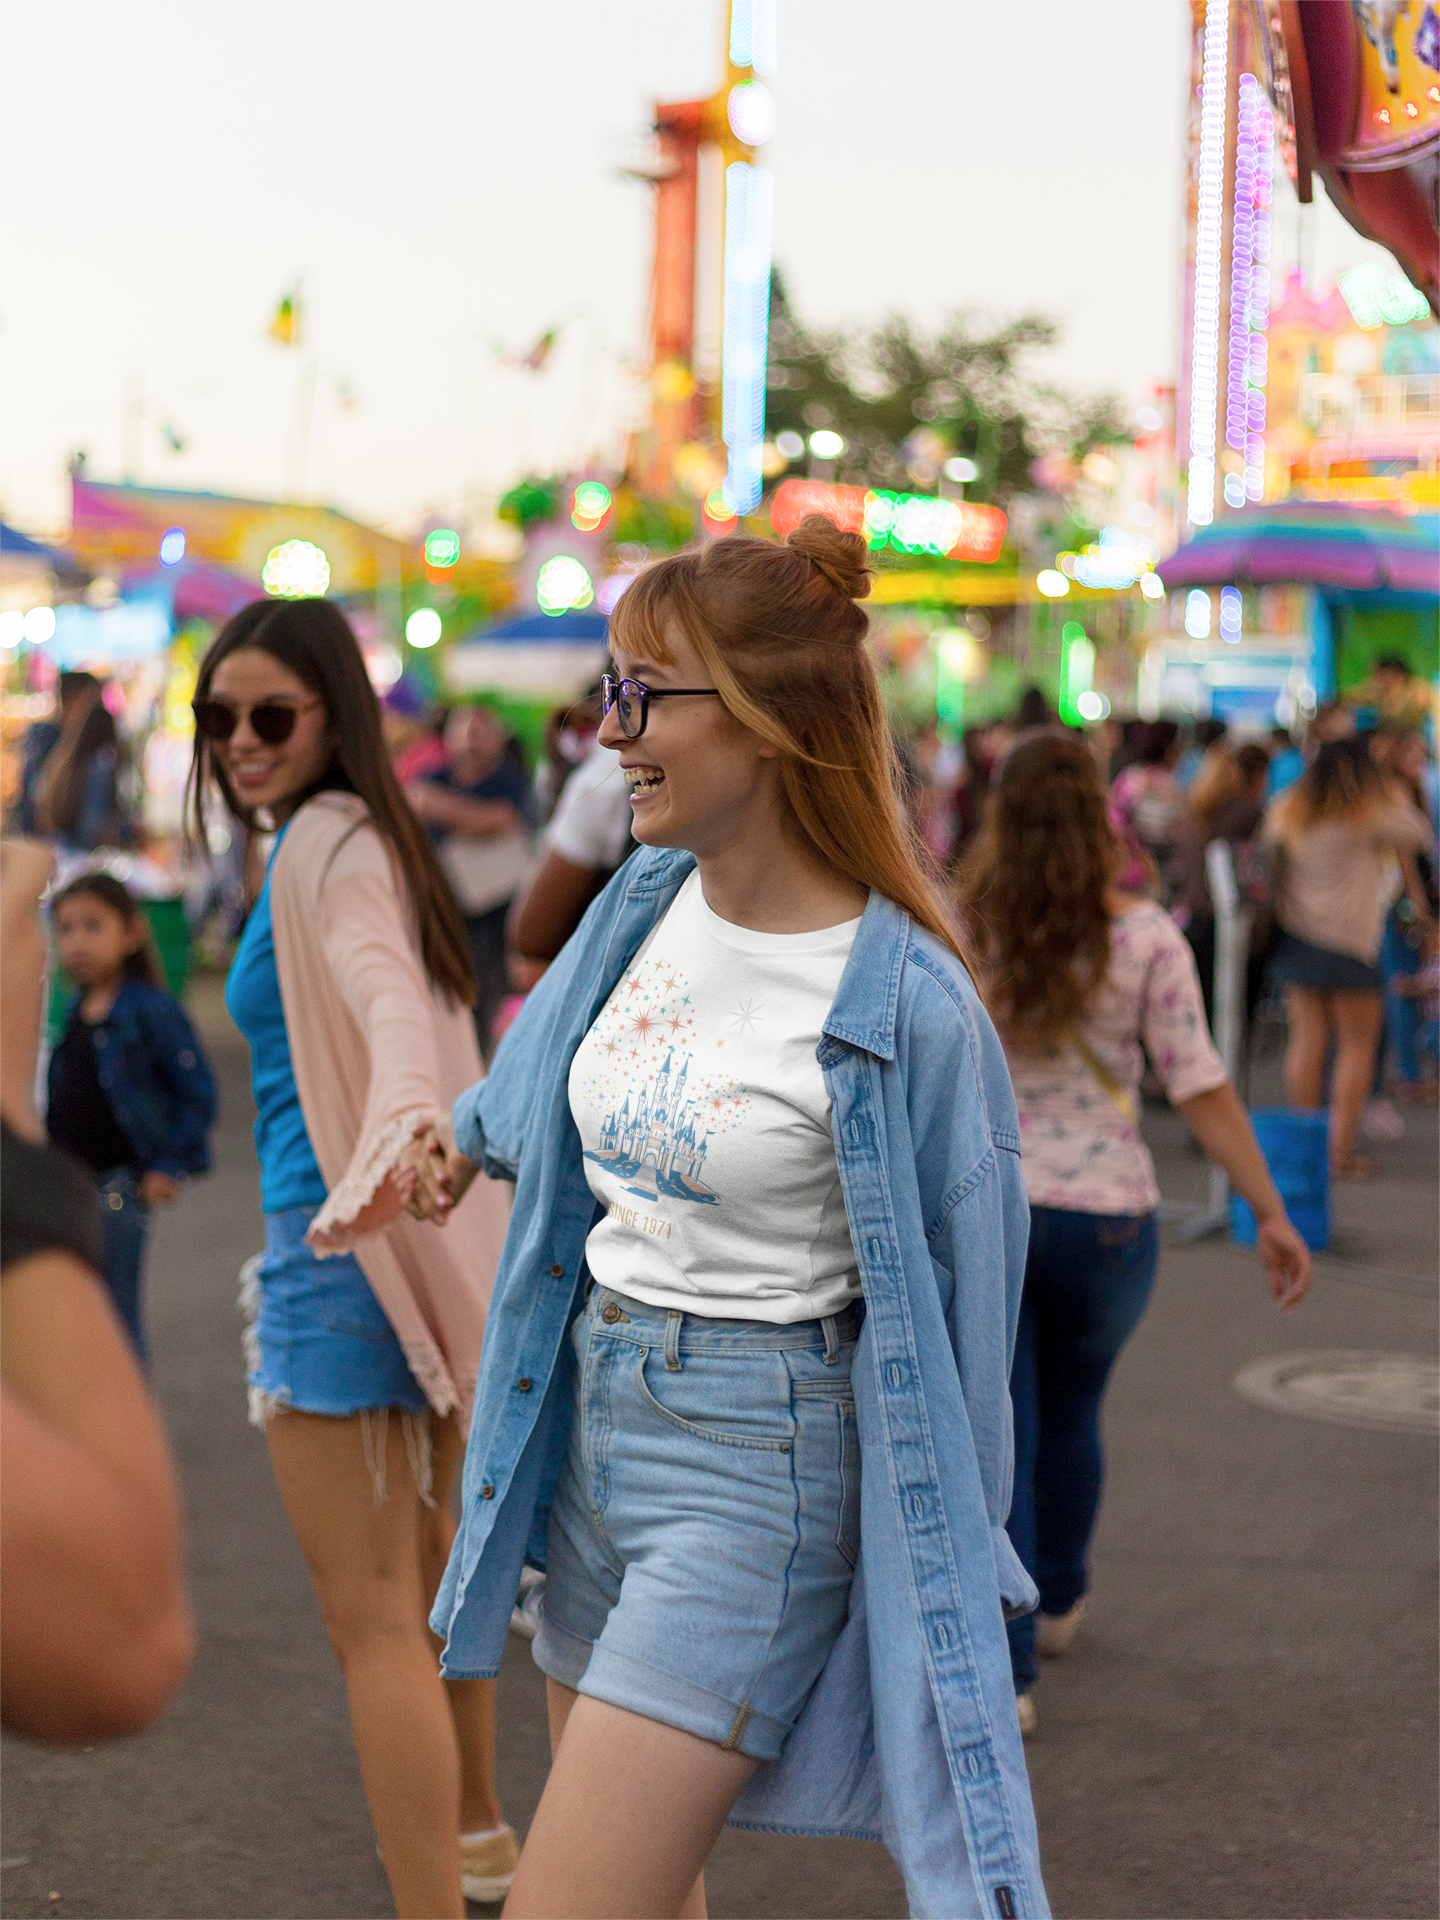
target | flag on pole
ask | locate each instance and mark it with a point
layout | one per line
(286, 326)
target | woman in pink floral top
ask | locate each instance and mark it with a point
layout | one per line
(1084, 982)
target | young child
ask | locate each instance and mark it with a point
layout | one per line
(131, 1093)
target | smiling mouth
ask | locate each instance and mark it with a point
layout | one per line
(643, 781)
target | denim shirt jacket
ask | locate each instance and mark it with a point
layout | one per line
(910, 1733)
(157, 1079)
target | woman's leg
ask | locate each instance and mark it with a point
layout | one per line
(1357, 1029)
(472, 1702)
(1090, 1293)
(627, 1819)
(364, 1558)
(1307, 1021)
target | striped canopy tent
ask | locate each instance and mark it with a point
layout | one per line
(1359, 549)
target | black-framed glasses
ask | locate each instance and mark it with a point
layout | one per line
(631, 700)
(272, 721)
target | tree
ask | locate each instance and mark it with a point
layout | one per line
(904, 400)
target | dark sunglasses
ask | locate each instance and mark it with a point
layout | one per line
(272, 722)
(631, 700)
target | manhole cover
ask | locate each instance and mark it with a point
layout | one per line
(1393, 1392)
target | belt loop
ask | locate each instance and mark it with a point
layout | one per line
(832, 1340)
(672, 1340)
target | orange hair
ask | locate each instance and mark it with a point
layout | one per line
(781, 636)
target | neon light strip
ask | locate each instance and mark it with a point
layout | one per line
(1249, 290)
(749, 208)
(1209, 242)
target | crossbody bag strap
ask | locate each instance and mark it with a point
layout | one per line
(1123, 1100)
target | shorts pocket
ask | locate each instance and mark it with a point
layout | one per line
(720, 1402)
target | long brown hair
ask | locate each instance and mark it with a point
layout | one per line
(141, 963)
(1342, 783)
(313, 639)
(1034, 888)
(781, 636)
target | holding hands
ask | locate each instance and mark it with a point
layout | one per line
(433, 1176)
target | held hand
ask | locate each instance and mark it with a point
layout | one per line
(1286, 1260)
(158, 1189)
(433, 1175)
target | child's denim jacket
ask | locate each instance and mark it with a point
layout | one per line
(157, 1078)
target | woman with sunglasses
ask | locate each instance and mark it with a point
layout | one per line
(744, 1390)
(352, 983)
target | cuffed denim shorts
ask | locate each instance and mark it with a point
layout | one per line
(318, 1339)
(706, 1520)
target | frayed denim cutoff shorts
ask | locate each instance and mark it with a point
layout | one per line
(707, 1518)
(318, 1340)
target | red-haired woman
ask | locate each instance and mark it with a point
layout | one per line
(768, 1224)
(1079, 976)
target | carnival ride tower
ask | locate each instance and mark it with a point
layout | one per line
(687, 411)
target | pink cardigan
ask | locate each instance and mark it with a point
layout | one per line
(378, 1053)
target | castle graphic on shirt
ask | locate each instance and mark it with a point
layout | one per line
(659, 1107)
(657, 1146)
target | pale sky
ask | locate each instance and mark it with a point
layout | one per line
(443, 174)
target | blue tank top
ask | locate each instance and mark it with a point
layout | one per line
(289, 1172)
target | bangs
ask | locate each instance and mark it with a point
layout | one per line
(638, 623)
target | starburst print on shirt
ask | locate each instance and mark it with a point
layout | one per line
(745, 1015)
(659, 1108)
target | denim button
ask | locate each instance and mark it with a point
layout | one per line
(610, 1313)
(524, 1385)
(557, 1273)
(487, 1493)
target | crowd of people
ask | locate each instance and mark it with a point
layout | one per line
(737, 1097)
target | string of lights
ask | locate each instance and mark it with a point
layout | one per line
(1209, 244)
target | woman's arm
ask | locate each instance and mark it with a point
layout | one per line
(1222, 1126)
(98, 1634)
(458, 813)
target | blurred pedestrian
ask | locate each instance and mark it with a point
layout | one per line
(1287, 762)
(97, 1629)
(78, 800)
(1145, 809)
(480, 809)
(587, 840)
(1206, 738)
(1392, 695)
(1401, 755)
(1226, 801)
(775, 945)
(131, 1092)
(569, 737)
(74, 692)
(351, 983)
(1339, 834)
(1080, 975)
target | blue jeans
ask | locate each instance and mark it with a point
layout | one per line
(125, 1219)
(1087, 1281)
(1400, 956)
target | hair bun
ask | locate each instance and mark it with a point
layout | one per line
(843, 558)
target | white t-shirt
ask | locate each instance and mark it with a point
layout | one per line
(705, 1122)
(591, 823)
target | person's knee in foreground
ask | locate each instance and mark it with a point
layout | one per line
(97, 1628)
(768, 1219)
(352, 984)
(1079, 977)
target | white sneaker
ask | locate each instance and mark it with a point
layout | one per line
(525, 1615)
(1381, 1119)
(1055, 1631)
(488, 1866)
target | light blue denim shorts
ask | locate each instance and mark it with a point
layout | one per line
(706, 1520)
(318, 1340)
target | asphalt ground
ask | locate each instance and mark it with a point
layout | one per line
(1245, 1726)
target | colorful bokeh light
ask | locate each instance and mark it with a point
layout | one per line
(563, 584)
(442, 547)
(296, 570)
